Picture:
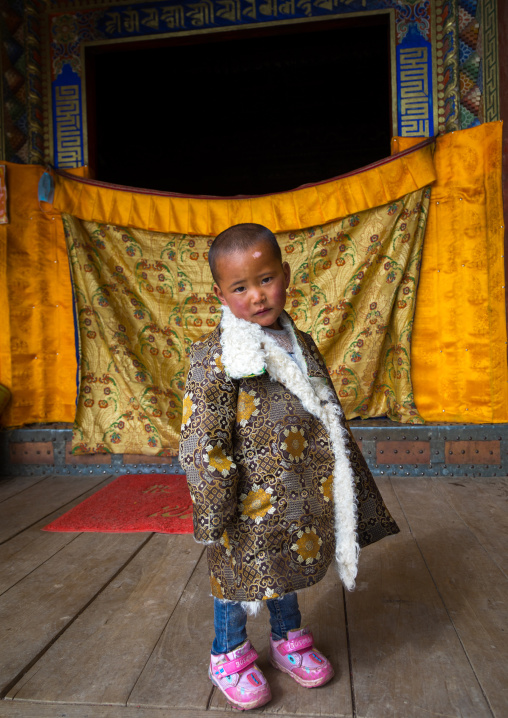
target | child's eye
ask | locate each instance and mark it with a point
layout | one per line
(265, 280)
(237, 290)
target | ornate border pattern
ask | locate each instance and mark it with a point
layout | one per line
(14, 142)
(70, 30)
(34, 81)
(462, 83)
(447, 66)
(470, 48)
(490, 62)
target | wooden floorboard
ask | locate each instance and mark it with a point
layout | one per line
(11, 485)
(472, 586)
(21, 709)
(407, 660)
(29, 549)
(120, 625)
(118, 632)
(39, 608)
(43, 498)
(176, 674)
(482, 504)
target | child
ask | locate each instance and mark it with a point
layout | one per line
(278, 484)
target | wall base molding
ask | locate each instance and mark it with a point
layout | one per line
(390, 449)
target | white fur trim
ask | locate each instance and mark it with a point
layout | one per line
(252, 608)
(247, 350)
(242, 346)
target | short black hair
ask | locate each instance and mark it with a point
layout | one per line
(239, 238)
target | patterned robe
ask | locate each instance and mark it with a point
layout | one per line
(278, 483)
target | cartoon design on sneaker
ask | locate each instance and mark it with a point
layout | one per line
(239, 678)
(298, 657)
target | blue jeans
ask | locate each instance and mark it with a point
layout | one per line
(230, 621)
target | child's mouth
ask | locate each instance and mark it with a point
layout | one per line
(262, 311)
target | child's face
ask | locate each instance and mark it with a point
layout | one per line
(253, 284)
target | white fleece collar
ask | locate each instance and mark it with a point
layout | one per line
(245, 346)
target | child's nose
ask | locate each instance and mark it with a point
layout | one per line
(259, 295)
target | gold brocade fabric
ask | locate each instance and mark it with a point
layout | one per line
(458, 358)
(354, 290)
(37, 348)
(143, 298)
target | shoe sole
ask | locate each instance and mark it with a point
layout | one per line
(306, 684)
(263, 700)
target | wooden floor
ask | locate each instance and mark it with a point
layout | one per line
(120, 625)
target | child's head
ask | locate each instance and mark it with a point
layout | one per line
(250, 276)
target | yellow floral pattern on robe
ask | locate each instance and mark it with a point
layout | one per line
(218, 460)
(247, 403)
(326, 487)
(143, 297)
(256, 504)
(295, 444)
(308, 545)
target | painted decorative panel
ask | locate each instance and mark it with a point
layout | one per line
(70, 31)
(443, 55)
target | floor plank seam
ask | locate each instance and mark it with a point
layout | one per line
(469, 528)
(46, 516)
(441, 598)
(55, 638)
(36, 568)
(27, 488)
(349, 656)
(165, 626)
(210, 697)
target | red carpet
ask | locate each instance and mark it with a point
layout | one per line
(142, 502)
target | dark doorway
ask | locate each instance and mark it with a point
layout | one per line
(247, 112)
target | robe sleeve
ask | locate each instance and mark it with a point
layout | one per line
(207, 439)
(374, 521)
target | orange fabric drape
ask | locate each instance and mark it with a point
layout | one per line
(309, 206)
(458, 307)
(458, 358)
(37, 350)
(5, 332)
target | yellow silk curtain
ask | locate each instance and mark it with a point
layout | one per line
(308, 206)
(458, 359)
(37, 351)
(143, 298)
(454, 305)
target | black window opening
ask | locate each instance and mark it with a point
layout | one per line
(247, 112)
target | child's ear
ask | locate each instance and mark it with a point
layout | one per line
(287, 273)
(219, 294)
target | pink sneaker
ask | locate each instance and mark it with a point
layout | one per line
(298, 657)
(238, 677)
